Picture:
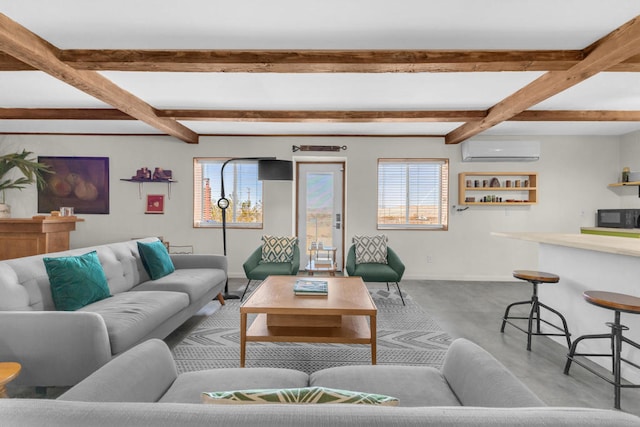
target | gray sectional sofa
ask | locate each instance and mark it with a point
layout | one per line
(142, 388)
(60, 348)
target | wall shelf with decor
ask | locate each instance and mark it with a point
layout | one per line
(626, 184)
(142, 181)
(497, 188)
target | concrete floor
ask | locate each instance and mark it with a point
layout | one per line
(474, 310)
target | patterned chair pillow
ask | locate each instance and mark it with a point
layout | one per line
(371, 249)
(278, 249)
(308, 395)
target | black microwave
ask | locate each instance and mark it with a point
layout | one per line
(618, 218)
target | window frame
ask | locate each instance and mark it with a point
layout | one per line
(443, 202)
(199, 193)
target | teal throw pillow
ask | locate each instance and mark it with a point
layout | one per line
(308, 395)
(156, 259)
(76, 281)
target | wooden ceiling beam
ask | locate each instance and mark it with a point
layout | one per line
(617, 46)
(63, 114)
(577, 116)
(9, 63)
(323, 116)
(319, 61)
(320, 116)
(27, 47)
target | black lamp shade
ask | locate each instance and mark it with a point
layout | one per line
(275, 170)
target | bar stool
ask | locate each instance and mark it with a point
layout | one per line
(535, 278)
(618, 303)
(8, 372)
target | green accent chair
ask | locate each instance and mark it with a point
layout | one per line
(254, 269)
(375, 272)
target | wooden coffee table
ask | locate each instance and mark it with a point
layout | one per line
(282, 316)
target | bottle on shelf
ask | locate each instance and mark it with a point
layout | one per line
(625, 174)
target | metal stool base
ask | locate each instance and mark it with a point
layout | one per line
(534, 316)
(617, 339)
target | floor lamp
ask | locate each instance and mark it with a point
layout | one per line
(269, 169)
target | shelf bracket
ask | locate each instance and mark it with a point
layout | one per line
(141, 183)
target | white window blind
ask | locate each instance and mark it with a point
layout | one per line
(413, 193)
(242, 189)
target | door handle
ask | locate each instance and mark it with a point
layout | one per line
(337, 226)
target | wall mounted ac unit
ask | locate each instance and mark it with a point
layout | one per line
(478, 150)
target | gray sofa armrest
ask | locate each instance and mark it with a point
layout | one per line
(199, 261)
(142, 374)
(53, 347)
(253, 261)
(478, 379)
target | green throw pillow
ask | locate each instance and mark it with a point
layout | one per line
(76, 281)
(156, 259)
(296, 395)
(278, 249)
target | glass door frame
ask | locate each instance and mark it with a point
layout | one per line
(328, 161)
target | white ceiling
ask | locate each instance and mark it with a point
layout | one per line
(321, 24)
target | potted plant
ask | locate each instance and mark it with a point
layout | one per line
(31, 170)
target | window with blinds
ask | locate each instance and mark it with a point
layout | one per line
(413, 194)
(242, 189)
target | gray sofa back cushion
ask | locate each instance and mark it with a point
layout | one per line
(411, 385)
(24, 284)
(478, 379)
(188, 387)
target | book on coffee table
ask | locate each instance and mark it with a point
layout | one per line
(311, 287)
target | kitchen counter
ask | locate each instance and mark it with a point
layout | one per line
(607, 231)
(588, 262)
(592, 242)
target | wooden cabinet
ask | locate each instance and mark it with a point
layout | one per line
(497, 188)
(20, 237)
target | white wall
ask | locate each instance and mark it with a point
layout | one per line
(629, 157)
(573, 177)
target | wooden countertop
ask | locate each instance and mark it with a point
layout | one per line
(608, 244)
(42, 218)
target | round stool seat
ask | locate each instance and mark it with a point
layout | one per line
(613, 301)
(536, 276)
(8, 372)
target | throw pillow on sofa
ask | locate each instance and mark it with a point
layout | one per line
(156, 259)
(371, 249)
(76, 281)
(296, 395)
(278, 249)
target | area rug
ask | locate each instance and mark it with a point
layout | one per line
(406, 336)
